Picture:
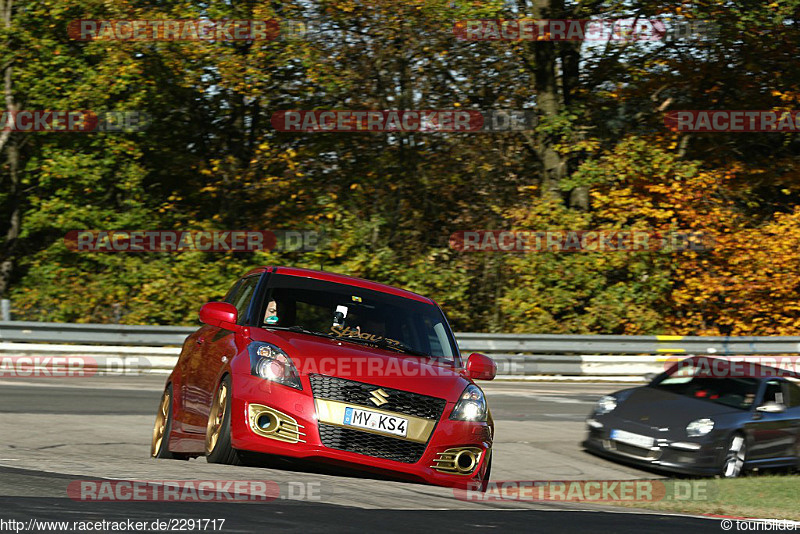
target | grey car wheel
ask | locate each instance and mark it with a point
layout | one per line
(735, 457)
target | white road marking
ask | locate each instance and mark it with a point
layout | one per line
(535, 396)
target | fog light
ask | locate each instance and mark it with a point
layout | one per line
(458, 461)
(271, 423)
(465, 461)
(594, 423)
(266, 422)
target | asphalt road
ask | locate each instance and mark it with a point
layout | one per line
(54, 432)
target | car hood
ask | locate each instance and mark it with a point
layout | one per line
(332, 357)
(663, 408)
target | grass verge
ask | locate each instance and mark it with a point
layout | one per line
(767, 496)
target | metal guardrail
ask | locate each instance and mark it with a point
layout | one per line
(160, 336)
(91, 334)
(113, 360)
(517, 355)
(605, 344)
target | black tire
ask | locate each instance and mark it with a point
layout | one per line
(159, 445)
(218, 430)
(733, 465)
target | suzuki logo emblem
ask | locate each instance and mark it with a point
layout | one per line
(379, 397)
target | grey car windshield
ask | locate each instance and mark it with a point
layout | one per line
(692, 381)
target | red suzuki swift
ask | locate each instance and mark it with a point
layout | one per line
(327, 367)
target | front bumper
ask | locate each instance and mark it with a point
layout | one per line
(302, 440)
(689, 457)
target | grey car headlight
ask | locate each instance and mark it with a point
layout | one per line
(699, 427)
(606, 404)
(271, 363)
(471, 406)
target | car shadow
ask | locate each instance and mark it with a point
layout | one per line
(768, 471)
(326, 467)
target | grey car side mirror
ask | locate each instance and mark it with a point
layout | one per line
(771, 407)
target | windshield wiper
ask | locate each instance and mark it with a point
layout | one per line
(402, 347)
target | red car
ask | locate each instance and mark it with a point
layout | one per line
(326, 367)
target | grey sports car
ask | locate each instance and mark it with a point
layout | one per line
(703, 416)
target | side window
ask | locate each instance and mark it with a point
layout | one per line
(792, 397)
(773, 392)
(243, 295)
(230, 296)
(436, 341)
(441, 340)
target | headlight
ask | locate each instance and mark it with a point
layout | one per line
(606, 404)
(271, 363)
(699, 427)
(471, 406)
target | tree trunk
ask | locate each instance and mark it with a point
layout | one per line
(570, 65)
(8, 143)
(548, 100)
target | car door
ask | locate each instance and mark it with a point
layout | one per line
(774, 435)
(791, 397)
(216, 347)
(191, 360)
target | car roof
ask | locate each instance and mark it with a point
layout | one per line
(328, 276)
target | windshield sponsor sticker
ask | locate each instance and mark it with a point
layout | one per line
(346, 331)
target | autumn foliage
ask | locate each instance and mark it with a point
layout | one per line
(600, 158)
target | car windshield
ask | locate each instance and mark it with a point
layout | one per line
(693, 381)
(358, 315)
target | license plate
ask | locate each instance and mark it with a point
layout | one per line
(387, 424)
(629, 438)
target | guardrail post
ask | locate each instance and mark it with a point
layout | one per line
(5, 310)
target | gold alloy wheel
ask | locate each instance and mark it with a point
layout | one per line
(216, 417)
(161, 424)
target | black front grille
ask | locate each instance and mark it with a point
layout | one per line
(352, 392)
(370, 444)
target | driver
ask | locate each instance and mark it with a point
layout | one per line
(271, 315)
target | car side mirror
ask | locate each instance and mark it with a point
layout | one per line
(481, 367)
(220, 314)
(771, 407)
